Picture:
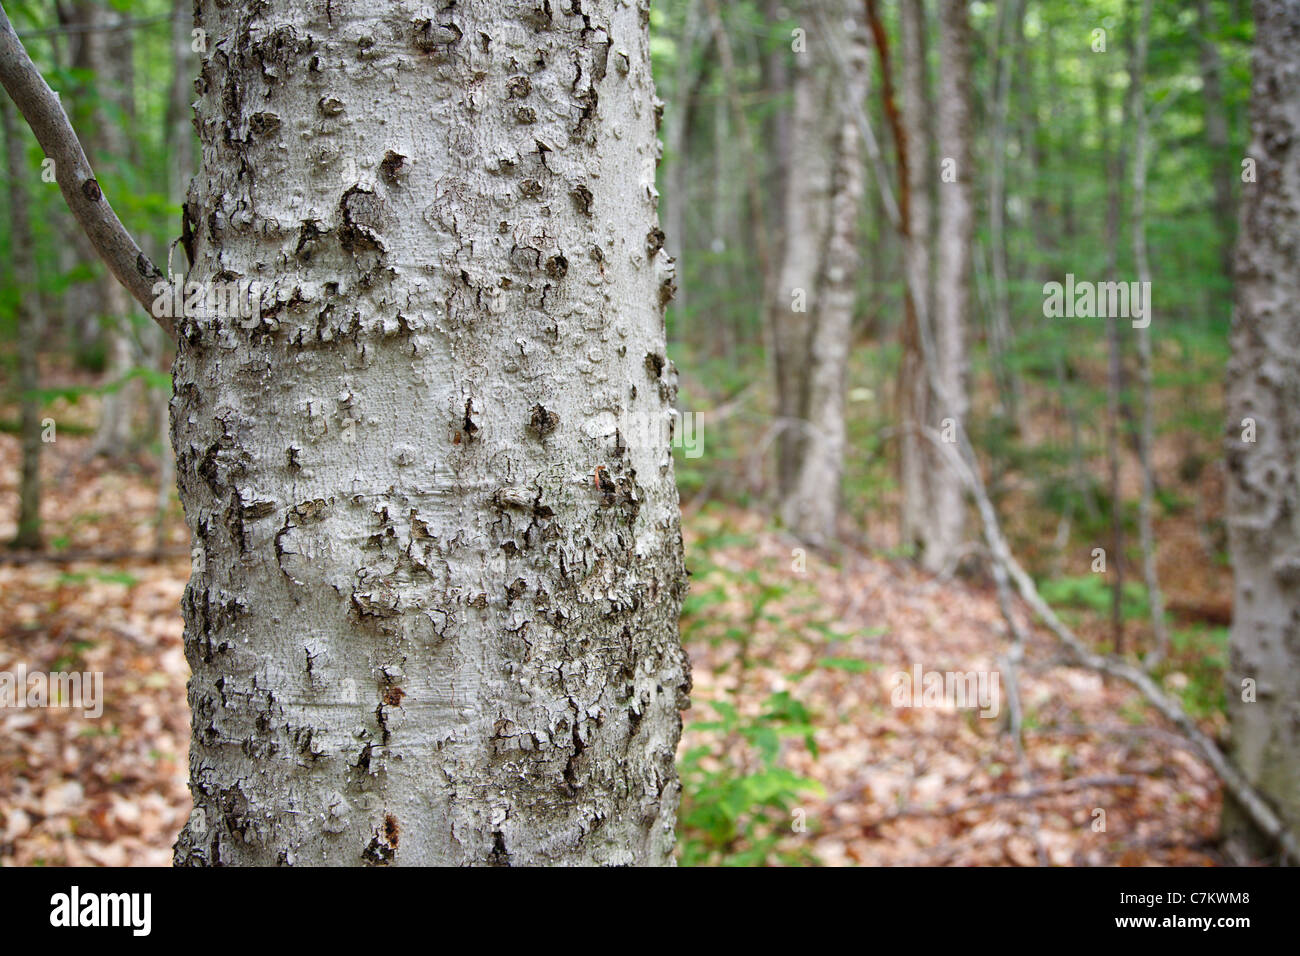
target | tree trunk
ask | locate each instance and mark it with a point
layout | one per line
(180, 170)
(955, 233)
(1112, 157)
(1011, 13)
(83, 303)
(30, 333)
(913, 383)
(108, 55)
(1216, 136)
(1146, 432)
(1263, 384)
(676, 141)
(433, 613)
(811, 511)
(180, 115)
(775, 66)
(806, 218)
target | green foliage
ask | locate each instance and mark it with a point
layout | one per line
(737, 802)
(1197, 662)
(738, 794)
(1092, 592)
(853, 665)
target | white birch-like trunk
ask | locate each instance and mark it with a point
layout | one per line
(433, 614)
(108, 53)
(31, 332)
(1263, 385)
(913, 383)
(811, 510)
(946, 527)
(1222, 163)
(805, 218)
(1146, 430)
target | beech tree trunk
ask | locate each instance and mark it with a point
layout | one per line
(1222, 163)
(180, 170)
(1010, 30)
(811, 509)
(438, 564)
(685, 81)
(108, 57)
(1263, 385)
(1146, 430)
(946, 527)
(805, 219)
(83, 302)
(913, 380)
(31, 322)
(1114, 158)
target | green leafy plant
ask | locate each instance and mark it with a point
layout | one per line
(738, 799)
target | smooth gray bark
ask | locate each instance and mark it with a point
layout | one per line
(108, 57)
(676, 140)
(1222, 163)
(811, 509)
(1263, 384)
(1011, 14)
(31, 322)
(913, 379)
(805, 223)
(1146, 431)
(946, 527)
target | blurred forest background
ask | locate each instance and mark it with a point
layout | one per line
(1108, 155)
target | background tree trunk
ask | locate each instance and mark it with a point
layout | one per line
(31, 324)
(677, 138)
(913, 381)
(1146, 430)
(811, 511)
(955, 232)
(805, 221)
(1222, 163)
(433, 614)
(1010, 29)
(1113, 158)
(108, 56)
(180, 170)
(1263, 384)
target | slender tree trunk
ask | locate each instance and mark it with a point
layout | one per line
(1113, 159)
(180, 170)
(955, 235)
(108, 54)
(1146, 433)
(180, 115)
(1065, 368)
(811, 511)
(31, 323)
(776, 89)
(1009, 27)
(1216, 138)
(917, 172)
(748, 155)
(83, 302)
(677, 139)
(806, 216)
(433, 614)
(1263, 385)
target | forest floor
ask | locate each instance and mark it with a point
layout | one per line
(785, 656)
(1102, 780)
